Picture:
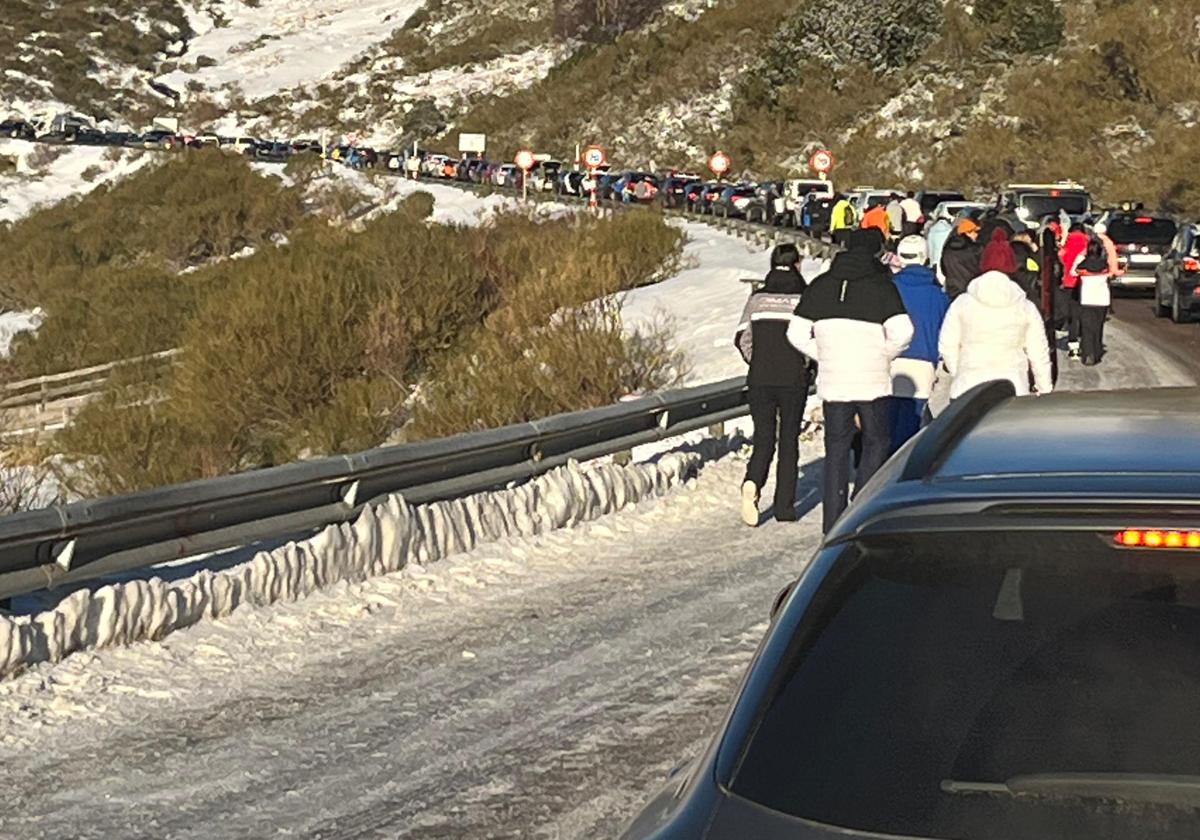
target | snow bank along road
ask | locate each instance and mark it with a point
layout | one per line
(539, 687)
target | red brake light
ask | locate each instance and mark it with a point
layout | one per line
(1191, 264)
(1055, 193)
(1144, 220)
(1154, 538)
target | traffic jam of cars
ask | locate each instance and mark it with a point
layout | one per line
(1159, 254)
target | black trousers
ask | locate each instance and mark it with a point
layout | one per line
(1091, 331)
(777, 408)
(840, 431)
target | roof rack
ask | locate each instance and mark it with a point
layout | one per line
(938, 441)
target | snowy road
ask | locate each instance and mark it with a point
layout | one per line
(538, 689)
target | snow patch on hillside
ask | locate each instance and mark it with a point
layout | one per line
(277, 45)
(47, 174)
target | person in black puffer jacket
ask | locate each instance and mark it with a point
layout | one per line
(777, 384)
(960, 258)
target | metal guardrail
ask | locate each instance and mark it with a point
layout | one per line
(82, 540)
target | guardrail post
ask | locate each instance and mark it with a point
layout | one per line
(717, 430)
(43, 397)
(623, 459)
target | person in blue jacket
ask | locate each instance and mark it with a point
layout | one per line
(914, 370)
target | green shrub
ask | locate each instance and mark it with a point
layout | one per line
(317, 347)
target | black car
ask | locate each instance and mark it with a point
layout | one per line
(674, 191)
(1142, 239)
(1177, 277)
(158, 138)
(17, 130)
(734, 201)
(930, 199)
(273, 152)
(707, 196)
(999, 640)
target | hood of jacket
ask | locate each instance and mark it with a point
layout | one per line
(959, 242)
(995, 289)
(784, 280)
(915, 276)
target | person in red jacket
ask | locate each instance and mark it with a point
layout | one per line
(1073, 252)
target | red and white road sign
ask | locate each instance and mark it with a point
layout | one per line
(594, 157)
(719, 163)
(524, 159)
(821, 161)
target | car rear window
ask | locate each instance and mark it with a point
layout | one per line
(1040, 205)
(930, 200)
(1143, 230)
(1043, 691)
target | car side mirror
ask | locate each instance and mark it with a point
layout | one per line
(781, 597)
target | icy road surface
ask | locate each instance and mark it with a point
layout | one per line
(536, 689)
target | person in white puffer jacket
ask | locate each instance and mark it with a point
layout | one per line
(994, 332)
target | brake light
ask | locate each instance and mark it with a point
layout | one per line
(1144, 220)
(1191, 264)
(1055, 193)
(1154, 538)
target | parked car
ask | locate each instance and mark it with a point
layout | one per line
(1177, 277)
(815, 213)
(1030, 205)
(158, 138)
(734, 200)
(997, 641)
(17, 129)
(674, 190)
(930, 200)
(1142, 238)
(507, 175)
(708, 193)
(275, 152)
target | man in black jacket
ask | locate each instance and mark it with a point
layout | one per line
(852, 321)
(960, 258)
(777, 384)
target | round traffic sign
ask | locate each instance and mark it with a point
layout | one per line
(719, 163)
(821, 161)
(594, 157)
(524, 159)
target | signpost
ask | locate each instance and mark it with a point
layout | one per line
(472, 143)
(821, 162)
(594, 157)
(524, 161)
(719, 163)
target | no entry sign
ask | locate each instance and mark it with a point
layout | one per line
(821, 161)
(524, 159)
(719, 163)
(594, 157)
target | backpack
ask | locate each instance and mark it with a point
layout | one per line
(848, 215)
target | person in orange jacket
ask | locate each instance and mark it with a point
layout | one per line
(877, 217)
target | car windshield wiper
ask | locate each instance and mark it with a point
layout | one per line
(1165, 789)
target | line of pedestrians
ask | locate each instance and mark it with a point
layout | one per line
(892, 341)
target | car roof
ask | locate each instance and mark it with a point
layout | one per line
(1112, 450)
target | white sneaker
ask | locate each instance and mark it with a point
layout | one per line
(750, 503)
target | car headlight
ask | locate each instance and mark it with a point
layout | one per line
(1023, 213)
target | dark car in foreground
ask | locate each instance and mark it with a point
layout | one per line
(1142, 239)
(1177, 277)
(999, 640)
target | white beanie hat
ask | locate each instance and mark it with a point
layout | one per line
(912, 251)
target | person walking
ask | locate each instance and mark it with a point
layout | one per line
(1073, 252)
(777, 384)
(994, 332)
(877, 218)
(1029, 270)
(1094, 297)
(842, 220)
(935, 239)
(998, 254)
(895, 212)
(960, 258)
(913, 214)
(852, 322)
(913, 370)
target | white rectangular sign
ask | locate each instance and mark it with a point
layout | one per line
(476, 143)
